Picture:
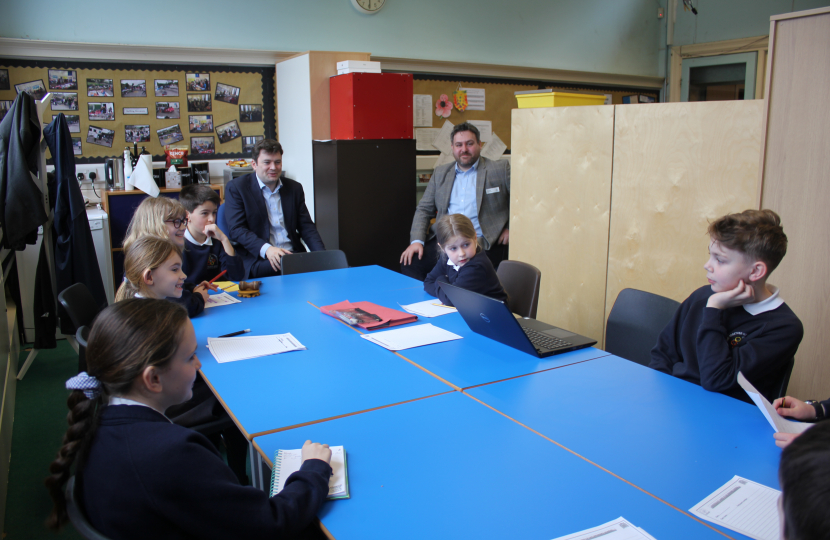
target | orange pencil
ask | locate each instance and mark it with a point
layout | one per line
(222, 273)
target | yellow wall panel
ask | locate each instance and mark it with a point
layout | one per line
(677, 166)
(559, 209)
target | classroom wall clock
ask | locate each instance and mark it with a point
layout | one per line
(369, 7)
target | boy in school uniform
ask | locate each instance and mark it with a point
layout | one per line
(208, 250)
(738, 322)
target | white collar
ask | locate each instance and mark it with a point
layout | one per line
(773, 302)
(263, 186)
(189, 237)
(114, 400)
(454, 267)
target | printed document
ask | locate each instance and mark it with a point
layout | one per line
(428, 308)
(410, 337)
(494, 150)
(743, 506)
(422, 110)
(221, 299)
(424, 138)
(241, 348)
(619, 529)
(778, 422)
(485, 129)
(475, 99)
(442, 140)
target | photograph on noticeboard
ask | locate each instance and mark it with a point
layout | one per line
(100, 136)
(167, 87)
(133, 88)
(62, 79)
(228, 131)
(72, 120)
(137, 133)
(76, 146)
(99, 88)
(198, 103)
(197, 82)
(227, 93)
(33, 88)
(202, 146)
(170, 135)
(64, 101)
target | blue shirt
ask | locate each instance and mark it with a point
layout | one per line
(463, 195)
(273, 202)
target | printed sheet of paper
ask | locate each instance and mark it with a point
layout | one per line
(619, 529)
(442, 140)
(422, 110)
(221, 299)
(424, 138)
(743, 506)
(778, 423)
(485, 129)
(428, 308)
(241, 348)
(410, 337)
(475, 99)
(494, 150)
(443, 159)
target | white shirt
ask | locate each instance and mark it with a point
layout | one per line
(773, 302)
(273, 203)
(124, 401)
(463, 196)
(189, 237)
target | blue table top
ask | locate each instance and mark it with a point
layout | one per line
(340, 284)
(449, 467)
(670, 437)
(473, 360)
(339, 374)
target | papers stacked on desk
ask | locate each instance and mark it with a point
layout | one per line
(428, 308)
(221, 299)
(408, 338)
(619, 529)
(743, 506)
(241, 348)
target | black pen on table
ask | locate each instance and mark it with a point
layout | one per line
(237, 333)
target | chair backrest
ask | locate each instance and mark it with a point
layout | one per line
(313, 261)
(77, 517)
(635, 323)
(79, 304)
(786, 371)
(81, 336)
(220, 219)
(521, 281)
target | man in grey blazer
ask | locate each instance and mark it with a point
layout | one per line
(474, 186)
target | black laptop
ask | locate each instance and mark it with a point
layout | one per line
(493, 319)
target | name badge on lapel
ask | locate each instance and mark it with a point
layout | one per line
(491, 190)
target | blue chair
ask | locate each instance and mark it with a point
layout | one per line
(220, 219)
(77, 517)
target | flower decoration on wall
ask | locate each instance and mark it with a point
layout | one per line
(460, 99)
(443, 107)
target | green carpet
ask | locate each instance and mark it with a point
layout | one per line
(39, 424)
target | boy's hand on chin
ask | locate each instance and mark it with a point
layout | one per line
(740, 295)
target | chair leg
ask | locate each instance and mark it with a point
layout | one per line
(25, 368)
(257, 469)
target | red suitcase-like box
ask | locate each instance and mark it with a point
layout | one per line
(371, 106)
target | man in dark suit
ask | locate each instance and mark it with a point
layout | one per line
(267, 215)
(472, 185)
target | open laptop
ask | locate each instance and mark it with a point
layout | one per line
(493, 319)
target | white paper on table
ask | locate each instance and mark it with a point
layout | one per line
(778, 423)
(142, 176)
(443, 159)
(485, 129)
(475, 99)
(428, 308)
(494, 150)
(408, 338)
(743, 506)
(221, 299)
(422, 110)
(443, 141)
(424, 138)
(618, 529)
(241, 348)
(292, 460)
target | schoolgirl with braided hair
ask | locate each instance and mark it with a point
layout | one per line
(138, 474)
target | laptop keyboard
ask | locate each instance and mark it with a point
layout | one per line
(544, 341)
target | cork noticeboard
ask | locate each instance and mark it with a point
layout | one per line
(154, 99)
(500, 99)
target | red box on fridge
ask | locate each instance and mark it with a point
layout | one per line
(371, 106)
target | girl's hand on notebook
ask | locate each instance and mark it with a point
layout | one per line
(316, 451)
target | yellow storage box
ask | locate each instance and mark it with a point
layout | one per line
(530, 99)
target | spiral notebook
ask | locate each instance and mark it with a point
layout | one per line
(287, 462)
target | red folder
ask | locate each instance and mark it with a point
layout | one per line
(368, 315)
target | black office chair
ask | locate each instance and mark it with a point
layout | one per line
(635, 323)
(81, 336)
(521, 281)
(77, 517)
(79, 304)
(313, 261)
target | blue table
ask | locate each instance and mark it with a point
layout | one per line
(339, 374)
(473, 360)
(449, 467)
(670, 437)
(351, 283)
